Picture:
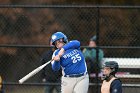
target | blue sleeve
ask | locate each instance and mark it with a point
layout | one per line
(116, 86)
(55, 64)
(74, 44)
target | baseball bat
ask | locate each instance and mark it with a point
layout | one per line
(34, 72)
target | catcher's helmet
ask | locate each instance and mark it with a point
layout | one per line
(59, 35)
(113, 65)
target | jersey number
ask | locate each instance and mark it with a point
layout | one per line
(76, 58)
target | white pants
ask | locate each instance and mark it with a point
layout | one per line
(75, 84)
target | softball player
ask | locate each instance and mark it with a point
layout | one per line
(69, 57)
(111, 84)
(1, 85)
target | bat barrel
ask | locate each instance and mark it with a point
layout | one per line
(33, 72)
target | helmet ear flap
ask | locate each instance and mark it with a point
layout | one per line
(64, 40)
(113, 71)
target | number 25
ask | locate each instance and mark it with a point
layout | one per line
(76, 58)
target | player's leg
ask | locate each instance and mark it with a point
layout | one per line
(82, 85)
(58, 88)
(47, 89)
(67, 85)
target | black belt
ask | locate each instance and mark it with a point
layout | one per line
(75, 75)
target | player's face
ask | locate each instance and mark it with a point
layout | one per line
(106, 70)
(92, 44)
(59, 43)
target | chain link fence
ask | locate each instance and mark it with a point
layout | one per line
(25, 32)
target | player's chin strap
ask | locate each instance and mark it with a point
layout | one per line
(108, 77)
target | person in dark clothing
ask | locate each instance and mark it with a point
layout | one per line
(50, 76)
(111, 84)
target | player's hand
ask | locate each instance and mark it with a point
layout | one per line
(61, 52)
(56, 58)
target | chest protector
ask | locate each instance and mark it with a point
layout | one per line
(106, 85)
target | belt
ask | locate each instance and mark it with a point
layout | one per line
(76, 75)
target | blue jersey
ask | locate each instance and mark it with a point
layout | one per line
(72, 61)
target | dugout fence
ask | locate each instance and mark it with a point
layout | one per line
(25, 31)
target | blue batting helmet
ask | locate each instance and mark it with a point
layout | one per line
(59, 35)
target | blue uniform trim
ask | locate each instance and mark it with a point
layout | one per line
(56, 66)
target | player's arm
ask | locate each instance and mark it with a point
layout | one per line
(116, 86)
(74, 44)
(55, 63)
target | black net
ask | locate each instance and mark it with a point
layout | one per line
(25, 33)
